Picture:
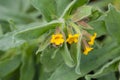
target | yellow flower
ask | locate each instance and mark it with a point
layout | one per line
(57, 39)
(87, 50)
(92, 39)
(72, 38)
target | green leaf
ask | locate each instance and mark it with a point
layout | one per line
(12, 25)
(9, 65)
(27, 69)
(112, 23)
(44, 43)
(61, 5)
(11, 4)
(37, 31)
(72, 6)
(49, 63)
(8, 54)
(81, 13)
(116, 4)
(6, 42)
(110, 76)
(79, 3)
(98, 57)
(99, 27)
(101, 4)
(5, 26)
(67, 56)
(119, 67)
(16, 6)
(107, 68)
(54, 8)
(76, 55)
(64, 72)
(25, 5)
(96, 14)
(43, 74)
(6, 14)
(1, 31)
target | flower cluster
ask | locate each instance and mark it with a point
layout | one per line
(57, 39)
(76, 32)
(87, 44)
(87, 40)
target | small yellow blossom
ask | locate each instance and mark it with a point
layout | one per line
(87, 50)
(57, 39)
(92, 39)
(72, 38)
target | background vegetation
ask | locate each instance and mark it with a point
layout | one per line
(25, 50)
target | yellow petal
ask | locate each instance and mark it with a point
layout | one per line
(70, 42)
(92, 39)
(57, 43)
(72, 38)
(76, 35)
(59, 35)
(69, 36)
(57, 39)
(91, 42)
(75, 40)
(87, 50)
(52, 41)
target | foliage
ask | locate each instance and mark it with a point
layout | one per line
(27, 26)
